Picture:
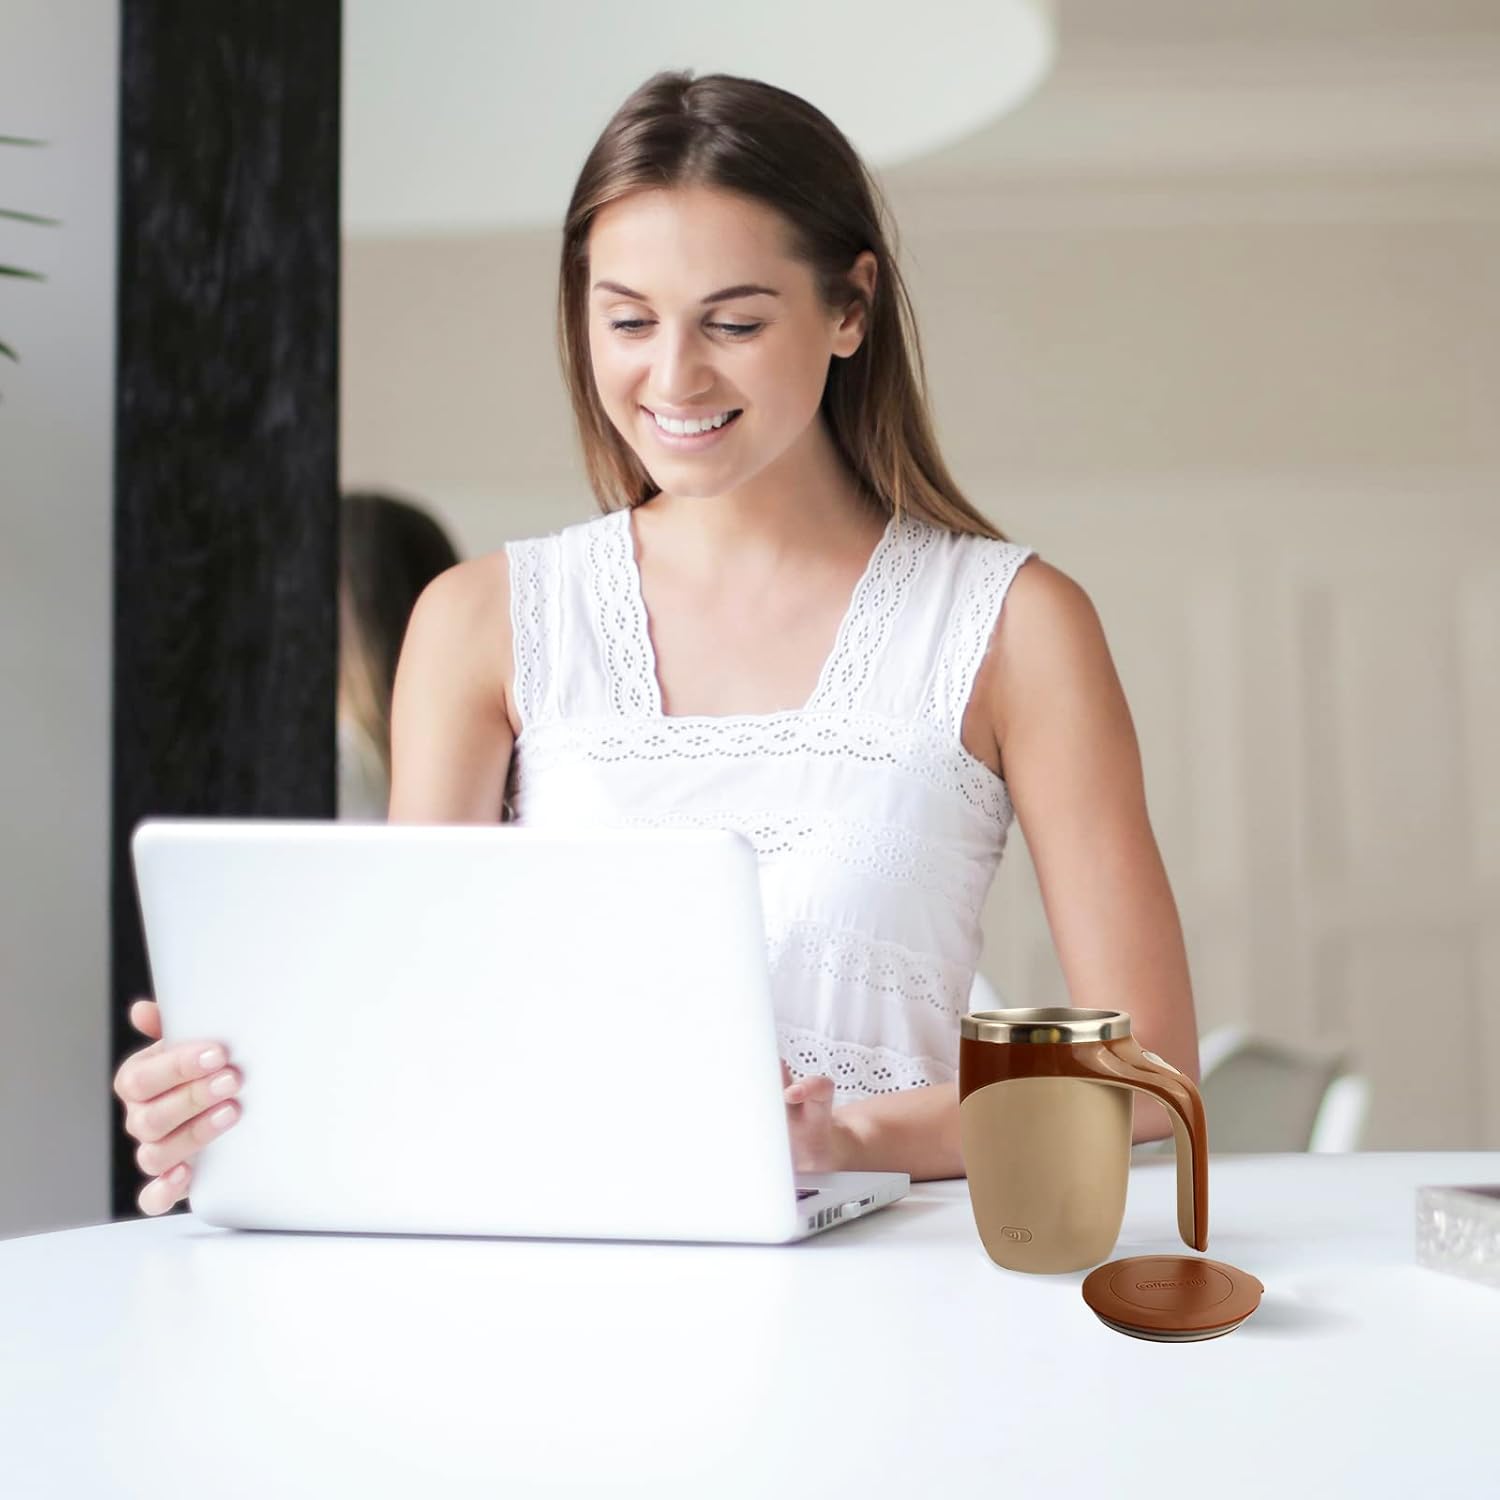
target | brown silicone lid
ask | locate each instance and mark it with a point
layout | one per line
(1171, 1298)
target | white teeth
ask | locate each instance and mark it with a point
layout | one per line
(688, 429)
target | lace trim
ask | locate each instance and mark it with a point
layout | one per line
(629, 660)
(873, 966)
(888, 851)
(872, 611)
(629, 672)
(911, 747)
(968, 635)
(926, 992)
(529, 596)
(857, 1071)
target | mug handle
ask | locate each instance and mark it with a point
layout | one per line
(1126, 1064)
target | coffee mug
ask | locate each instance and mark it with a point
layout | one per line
(1045, 1108)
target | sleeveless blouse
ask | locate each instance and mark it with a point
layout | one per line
(877, 833)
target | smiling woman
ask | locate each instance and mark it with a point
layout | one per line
(675, 369)
(790, 622)
(799, 298)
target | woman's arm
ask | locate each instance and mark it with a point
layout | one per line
(452, 725)
(1048, 693)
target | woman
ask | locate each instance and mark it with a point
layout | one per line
(789, 620)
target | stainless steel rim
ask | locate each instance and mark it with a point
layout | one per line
(1047, 1024)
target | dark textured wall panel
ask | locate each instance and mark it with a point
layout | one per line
(226, 494)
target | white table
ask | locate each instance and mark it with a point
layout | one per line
(890, 1357)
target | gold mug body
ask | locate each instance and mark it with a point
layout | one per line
(1045, 1111)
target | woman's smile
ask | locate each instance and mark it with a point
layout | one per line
(671, 432)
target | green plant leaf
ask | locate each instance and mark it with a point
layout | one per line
(16, 216)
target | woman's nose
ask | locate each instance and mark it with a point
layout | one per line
(682, 373)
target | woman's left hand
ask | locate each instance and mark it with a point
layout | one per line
(819, 1143)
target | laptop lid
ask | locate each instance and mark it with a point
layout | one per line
(476, 1030)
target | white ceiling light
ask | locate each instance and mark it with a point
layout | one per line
(466, 115)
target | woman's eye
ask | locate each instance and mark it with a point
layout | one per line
(734, 330)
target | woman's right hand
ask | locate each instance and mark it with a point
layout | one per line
(174, 1105)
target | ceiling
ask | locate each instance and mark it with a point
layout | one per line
(462, 115)
(1159, 23)
(472, 121)
(1151, 87)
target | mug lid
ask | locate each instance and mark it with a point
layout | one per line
(1171, 1298)
(1055, 1023)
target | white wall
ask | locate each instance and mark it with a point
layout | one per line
(59, 81)
(1075, 334)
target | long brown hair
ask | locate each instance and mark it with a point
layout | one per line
(389, 550)
(752, 138)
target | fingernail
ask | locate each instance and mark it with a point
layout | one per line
(222, 1117)
(178, 1175)
(213, 1058)
(225, 1083)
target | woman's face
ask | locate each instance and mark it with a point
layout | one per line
(697, 311)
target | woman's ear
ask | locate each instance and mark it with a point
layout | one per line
(850, 333)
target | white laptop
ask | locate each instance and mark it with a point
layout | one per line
(483, 1030)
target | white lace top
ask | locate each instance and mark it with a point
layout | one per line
(877, 832)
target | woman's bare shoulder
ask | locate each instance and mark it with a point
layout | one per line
(463, 617)
(471, 595)
(1040, 600)
(1048, 648)
(476, 583)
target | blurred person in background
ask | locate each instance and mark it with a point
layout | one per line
(389, 551)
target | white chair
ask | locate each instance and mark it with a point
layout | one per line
(1262, 1095)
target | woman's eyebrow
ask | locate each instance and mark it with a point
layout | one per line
(728, 293)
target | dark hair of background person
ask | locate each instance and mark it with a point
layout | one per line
(389, 551)
(751, 138)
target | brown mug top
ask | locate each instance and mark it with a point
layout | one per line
(1172, 1293)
